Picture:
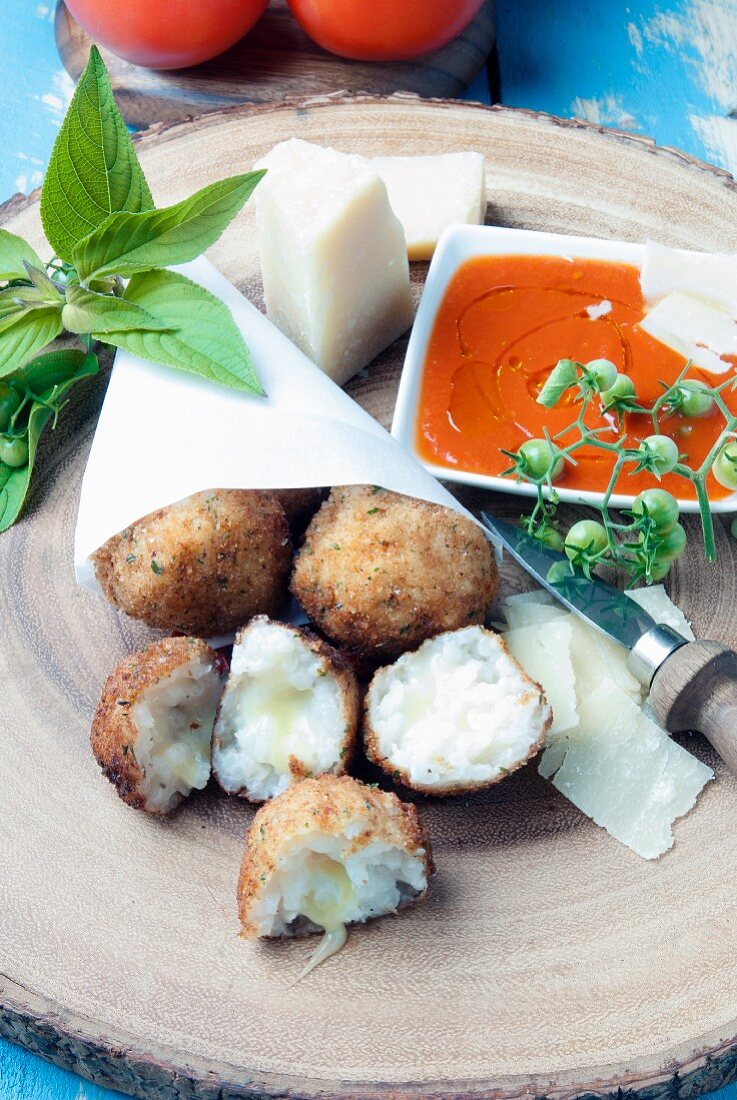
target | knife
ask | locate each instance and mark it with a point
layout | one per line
(693, 685)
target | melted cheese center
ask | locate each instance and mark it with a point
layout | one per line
(326, 905)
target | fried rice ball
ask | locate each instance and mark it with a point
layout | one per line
(457, 715)
(205, 565)
(380, 572)
(290, 710)
(153, 725)
(330, 852)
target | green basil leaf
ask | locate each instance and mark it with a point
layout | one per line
(94, 170)
(128, 243)
(14, 252)
(56, 367)
(86, 311)
(25, 333)
(205, 339)
(43, 284)
(563, 375)
(14, 483)
(16, 299)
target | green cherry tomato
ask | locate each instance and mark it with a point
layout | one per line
(660, 570)
(552, 539)
(13, 452)
(537, 455)
(604, 373)
(660, 506)
(725, 466)
(694, 398)
(586, 535)
(622, 389)
(9, 402)
(671, 544)
(664, 452)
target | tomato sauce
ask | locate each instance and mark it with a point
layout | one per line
(503, 324)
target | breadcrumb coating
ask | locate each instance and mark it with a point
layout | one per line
(205, 565)
(380, 572)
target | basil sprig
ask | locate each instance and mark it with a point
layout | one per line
(109, 280)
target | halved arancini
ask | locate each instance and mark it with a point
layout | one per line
(153, 725)
(458, 714)
(290, 710)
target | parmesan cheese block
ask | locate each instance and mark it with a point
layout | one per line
(333, 259)
(697, 329)
(710, 275)
(428, 194)
(627, 774)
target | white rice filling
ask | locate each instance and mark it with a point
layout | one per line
(320, 882)
(282, 700)
(174, 719)
(457, 711)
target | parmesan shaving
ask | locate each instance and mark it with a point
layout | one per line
(698, 329)
(604, 752)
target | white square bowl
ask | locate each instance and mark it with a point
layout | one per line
(458, 244)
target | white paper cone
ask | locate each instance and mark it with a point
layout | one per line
(163, 435)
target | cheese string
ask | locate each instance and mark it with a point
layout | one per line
(332, 941)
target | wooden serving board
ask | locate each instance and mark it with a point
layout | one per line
(274, 61)
(548, 959)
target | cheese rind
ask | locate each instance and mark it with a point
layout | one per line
(333, 260)
(430, 193)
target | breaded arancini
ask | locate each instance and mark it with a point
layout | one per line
(330, 852)
(152, 728)
(380, 572)
(205, 565)
(290, 710)
(456, 715)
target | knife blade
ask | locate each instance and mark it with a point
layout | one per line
(693, 685)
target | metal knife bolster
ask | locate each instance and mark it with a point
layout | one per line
(649, 652)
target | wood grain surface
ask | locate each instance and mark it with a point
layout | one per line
(548, 959)
(274, 61)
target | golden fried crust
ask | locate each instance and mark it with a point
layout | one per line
(204, 565)
(114, 734)
(334, 663)
(401, 776)
(325, 804)
(379, 572)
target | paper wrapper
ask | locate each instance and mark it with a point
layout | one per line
(164, 434)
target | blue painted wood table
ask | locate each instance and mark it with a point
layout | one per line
(663, 68)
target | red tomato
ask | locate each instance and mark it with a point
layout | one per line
(384, 30)
(167, 34)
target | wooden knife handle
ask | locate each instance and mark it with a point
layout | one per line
(696, 689)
